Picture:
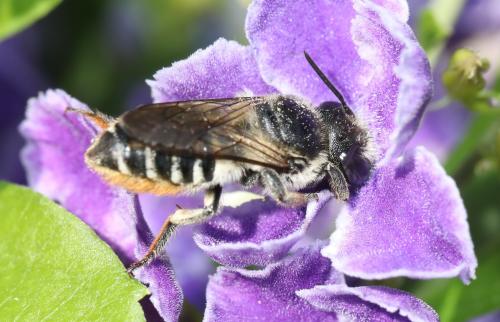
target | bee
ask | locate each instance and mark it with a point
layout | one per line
(278, 142)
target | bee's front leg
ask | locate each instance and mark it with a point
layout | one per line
(271, 181)
(338, 182)
(178, 218)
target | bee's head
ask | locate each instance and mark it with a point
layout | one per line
(347, 142)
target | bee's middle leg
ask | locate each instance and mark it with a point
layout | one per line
(271, 181)
(196, 216)
(179, 218)
(250, 179)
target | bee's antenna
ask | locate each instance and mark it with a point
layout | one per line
(325, 79)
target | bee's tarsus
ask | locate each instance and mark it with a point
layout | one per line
(312, 196)
(138, 264)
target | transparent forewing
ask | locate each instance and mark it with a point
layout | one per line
(218, 128)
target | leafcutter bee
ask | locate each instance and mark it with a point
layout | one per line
(278, 142)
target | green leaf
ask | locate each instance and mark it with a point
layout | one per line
(55, 268)
(18, 14)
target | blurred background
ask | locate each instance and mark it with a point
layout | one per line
(101, 52)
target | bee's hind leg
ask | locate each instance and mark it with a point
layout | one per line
(271, 181)
(179, 218)
(100, 119)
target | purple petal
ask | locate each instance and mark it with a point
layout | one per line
(408, 220)
(269, 294)
(304, 287)
(399, 8)
(224, 69)
(368, 303)
(367, 50)
(256, 233)
(191, 265)
(166, 295)
(324, 223)
(53, 158)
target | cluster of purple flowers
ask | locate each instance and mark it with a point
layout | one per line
(407, 220)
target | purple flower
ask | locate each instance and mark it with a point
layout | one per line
(407, 220)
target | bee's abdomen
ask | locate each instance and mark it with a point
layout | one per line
(159, 165)
(179, 169)
(116, 151)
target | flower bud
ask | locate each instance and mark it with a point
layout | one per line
(464, 76)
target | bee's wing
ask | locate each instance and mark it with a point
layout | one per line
(218, 128)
